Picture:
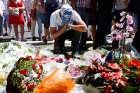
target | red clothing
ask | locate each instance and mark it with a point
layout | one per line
(16, 19)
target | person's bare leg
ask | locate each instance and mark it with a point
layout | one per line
(33, 25)
(16, 31)
(22, 31)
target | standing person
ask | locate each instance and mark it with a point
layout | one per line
(93, 16)
(16, 17)
(2, 8)
(6, 24)
(33, 19)
(134, 8)
(28, 6)
(83, 8)
(50, 7)
(40, 16)
(65, 23)
(104, 20)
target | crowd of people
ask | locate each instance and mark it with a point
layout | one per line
(64, 19)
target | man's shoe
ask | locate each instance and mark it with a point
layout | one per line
(33, 38)
(44, 39)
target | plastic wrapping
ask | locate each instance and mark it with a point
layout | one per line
(57, 82)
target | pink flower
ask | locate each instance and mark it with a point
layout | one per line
(129, 28)
(119, 37)
(122, 13)
(129, 19)
(119, 25)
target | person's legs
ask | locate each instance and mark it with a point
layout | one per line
(46, 33)
(22, 31)
(136, 39)
(39, 22)
(76, 39)
(46, 27)
(5, 25)
(59, 44)
(104, 19)
(1, 31)
(33, 23)
(93, 32)
(16, 31)
(84, 13)
(47, 15)
(1, 25)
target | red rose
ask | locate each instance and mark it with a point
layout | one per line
(122, 65)
(33, 66)
(135, 62)
(30, 86)
(28, 58)
(24, 72)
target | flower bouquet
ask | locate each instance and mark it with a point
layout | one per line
(25, 76)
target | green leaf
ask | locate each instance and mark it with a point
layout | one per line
(4, 66)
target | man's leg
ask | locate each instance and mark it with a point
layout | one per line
(59, 44)
(76, 39)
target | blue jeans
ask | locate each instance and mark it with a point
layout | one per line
(1, 25)
(40, 21)
(6, 23)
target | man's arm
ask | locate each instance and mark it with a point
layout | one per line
(78, 23)
(81, 26)
(56, 33)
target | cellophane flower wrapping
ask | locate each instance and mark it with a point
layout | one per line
(57, 82)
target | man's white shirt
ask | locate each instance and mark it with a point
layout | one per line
(55, 19)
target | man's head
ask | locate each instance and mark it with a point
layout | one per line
(66, 13)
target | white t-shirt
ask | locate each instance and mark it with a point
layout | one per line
(55, 20)
(2, 7)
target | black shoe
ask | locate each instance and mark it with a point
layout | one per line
(44, 39)
(33, 38)
(23, 40)
(5, 34)
(39, 38)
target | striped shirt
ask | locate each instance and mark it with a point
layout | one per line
(83, 3)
